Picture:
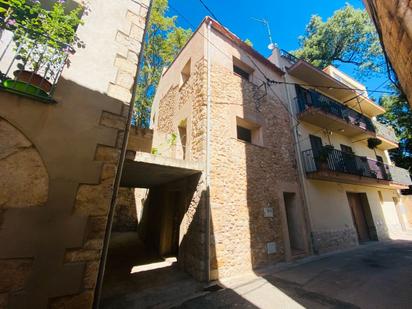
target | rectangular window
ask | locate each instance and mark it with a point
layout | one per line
(185, 74)
(248, 131)
(244, 134)
(241, 69)
(241, 72)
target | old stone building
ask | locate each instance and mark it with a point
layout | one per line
(393, 21)
(213, 102)
(60, 149)
(259, 136)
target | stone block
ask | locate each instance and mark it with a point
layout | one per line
(124, 79)
(107, 154)
(113, 121)
(125, 65)
(81, 255)
(94, 200)
(120, 93)
(82, 300)
(90, 274)
(14, 273)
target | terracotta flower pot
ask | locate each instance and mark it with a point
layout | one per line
(33, 79)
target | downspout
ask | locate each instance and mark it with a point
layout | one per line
(300, 163)
(118, 176)
(207, 168)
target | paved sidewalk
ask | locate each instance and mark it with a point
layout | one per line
(376, 275)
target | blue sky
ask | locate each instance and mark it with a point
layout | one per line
(287, 19)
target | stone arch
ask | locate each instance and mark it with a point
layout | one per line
(24, 179)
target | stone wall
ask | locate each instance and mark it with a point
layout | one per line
(248, 178)
(140, 139)
(62, 158)
(332, 240)
(394, 18)
(188, 102)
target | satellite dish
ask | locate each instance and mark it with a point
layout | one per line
(271, 46)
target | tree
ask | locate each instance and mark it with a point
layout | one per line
(399, 116)
(348, 36)
(163, 42)
(249, 42)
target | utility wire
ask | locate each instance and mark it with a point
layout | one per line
(268, 81)
(209, 10)
(230, 57)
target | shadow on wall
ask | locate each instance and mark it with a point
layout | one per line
(75, 139)
(254, 164)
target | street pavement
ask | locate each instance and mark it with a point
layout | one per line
(375, 275)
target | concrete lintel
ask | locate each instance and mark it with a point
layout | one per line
(147, 170)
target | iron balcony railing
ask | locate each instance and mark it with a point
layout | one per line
(307, 98)
(385, 131)
(293, 59)
(343, 162)
(400, 175)
(31, 64)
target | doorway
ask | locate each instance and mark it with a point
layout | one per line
(362, 216)
(294, 223)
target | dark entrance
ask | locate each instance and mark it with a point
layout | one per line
(362, 216)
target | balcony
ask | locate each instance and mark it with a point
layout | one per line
(339, 166)
(321, 110)
(400, 175)
(31, 67)
(386, 134)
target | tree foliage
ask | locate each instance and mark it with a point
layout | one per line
(399, 116)
(348, 36)
(163, 42)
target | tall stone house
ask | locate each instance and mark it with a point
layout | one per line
(211, 102)
(61, 136)
(268, 189)
(393, 21)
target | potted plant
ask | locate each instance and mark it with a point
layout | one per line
(374, 142)
(42, 38)
(323, 156)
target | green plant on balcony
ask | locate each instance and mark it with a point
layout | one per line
(42, 38)
(323, 155)
(373, 143)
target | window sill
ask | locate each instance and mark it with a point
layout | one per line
(251, 144)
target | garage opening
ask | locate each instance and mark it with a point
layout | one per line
(362, 217)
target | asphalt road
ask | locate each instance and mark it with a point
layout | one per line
(376, 275)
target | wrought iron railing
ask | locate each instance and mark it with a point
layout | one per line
(308, 98)
(343, 162)
(385, 131)
(31, 66)
(400, 175)
(288, 56)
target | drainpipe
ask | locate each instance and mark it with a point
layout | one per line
(299, 161)
(207, 168)
(118, 176)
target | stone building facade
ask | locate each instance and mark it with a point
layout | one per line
(393, 21)
(203, 102)
(58, 163)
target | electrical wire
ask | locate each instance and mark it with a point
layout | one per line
(209, 10)
(270, 82)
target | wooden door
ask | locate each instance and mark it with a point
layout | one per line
(358, 215)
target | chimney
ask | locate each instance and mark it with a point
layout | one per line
(275, 57)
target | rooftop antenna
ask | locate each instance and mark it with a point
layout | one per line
(271, 46)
